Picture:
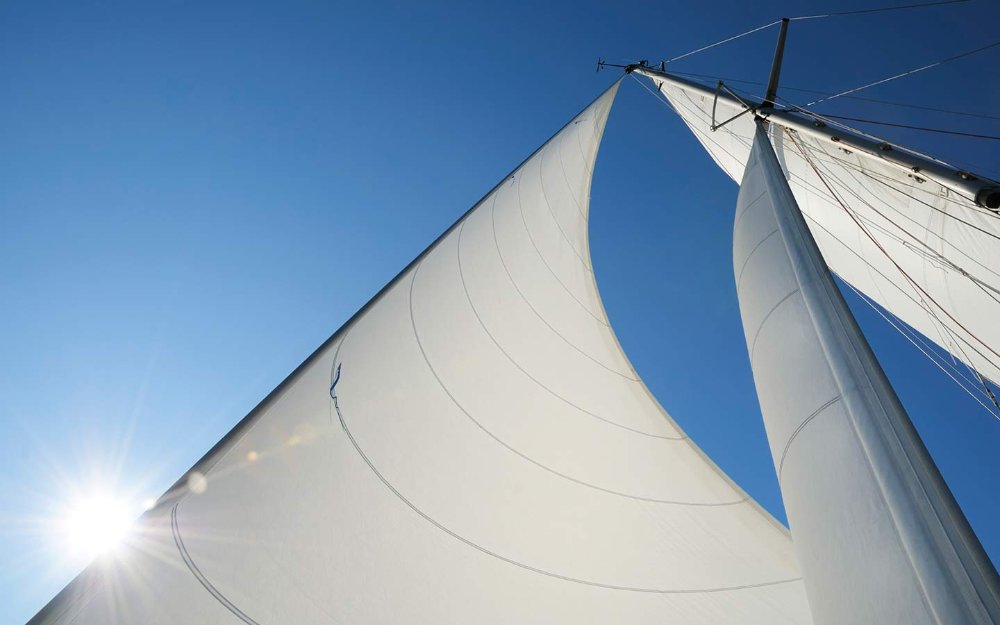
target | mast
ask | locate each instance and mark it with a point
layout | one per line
(779, 53)
(980, 190)
(877, 532)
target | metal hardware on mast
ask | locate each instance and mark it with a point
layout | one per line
(853, 470)
(779, 53)
(980, 189)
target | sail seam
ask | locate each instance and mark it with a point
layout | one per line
(941, 259)
(739, 277)
(705, 138)
(562, 166)
(525, 456)
(503, 263)
(528, 567)
(921, 292)
(746, 209)
(555, 220)
(763, 322)
(549, 267)
(801, 426)
(524, 371)
(212, 590)
(884, 277)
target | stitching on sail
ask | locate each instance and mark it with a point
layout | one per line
(753, 346)
(548, 208)
(938, 256)
(852, 172)
(212, 590)
(739, 277)
(801, 426)
(901, 291)
(746, 209)
(525, 456)
(525, 299)
(534, 569)
(562, 166)
(482, 324)
(549, 267)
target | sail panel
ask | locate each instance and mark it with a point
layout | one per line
(924, 252)
(473, 447)
(877, 533)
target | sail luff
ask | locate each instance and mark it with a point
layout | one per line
(472, 447)
(878, 535)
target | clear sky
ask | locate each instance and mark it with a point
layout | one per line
(194, 195)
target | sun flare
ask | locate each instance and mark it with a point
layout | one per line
(94, 525)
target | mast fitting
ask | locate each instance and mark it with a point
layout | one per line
(989, 198)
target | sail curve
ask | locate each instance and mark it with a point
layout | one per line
(472, 446)
(909, 240)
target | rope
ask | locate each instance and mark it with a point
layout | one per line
(719, 43)
(885, 252)
(986, 389)
(907, 73)
(878, 10)
(974, 167)
(859, 98)
(923, 351)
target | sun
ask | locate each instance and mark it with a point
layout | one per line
(94, 525)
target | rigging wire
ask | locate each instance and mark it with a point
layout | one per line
(944, 131)
(907, 73)
(879, 179)
(926, 352)
(719, 43)
(923, 292)
(987, 391)
(659, 96)
(950, 334)
(847, 97)
(879, 10)
(833, 122)
(927, 249)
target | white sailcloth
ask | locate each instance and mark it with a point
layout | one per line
(920, 249)
(472, 447)
(877, 533)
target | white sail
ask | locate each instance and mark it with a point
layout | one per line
(877, 533)
(915, 242)
(472, 447)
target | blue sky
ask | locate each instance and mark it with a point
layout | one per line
(194, 195)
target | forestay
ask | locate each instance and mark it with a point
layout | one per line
(472, 447)
(921, 249)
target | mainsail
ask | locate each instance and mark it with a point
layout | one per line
(472, 447)
(909, 232)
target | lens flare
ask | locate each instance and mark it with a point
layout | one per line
(94, 525)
